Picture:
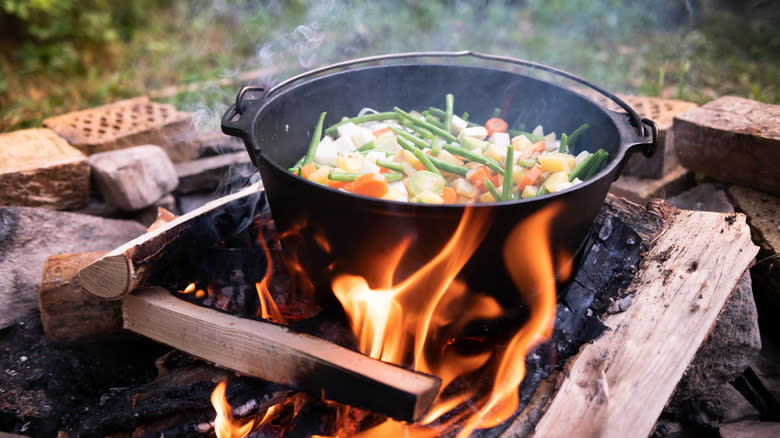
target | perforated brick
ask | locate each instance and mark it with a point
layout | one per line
(125, 124)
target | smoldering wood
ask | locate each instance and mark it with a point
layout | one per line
(685, 279)
(176, 403)
(130, 266)
(277, 354)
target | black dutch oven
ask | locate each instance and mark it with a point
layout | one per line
(343, 232)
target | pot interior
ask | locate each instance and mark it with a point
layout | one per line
(284, 125)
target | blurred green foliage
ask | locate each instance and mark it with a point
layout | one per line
(64, 55)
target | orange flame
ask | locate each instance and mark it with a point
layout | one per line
(225, 426)
(417, 320)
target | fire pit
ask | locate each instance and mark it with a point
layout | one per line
(464, 360)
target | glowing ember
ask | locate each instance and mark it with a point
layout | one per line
(225, 426)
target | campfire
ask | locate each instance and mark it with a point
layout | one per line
(425, 356)
(588, 336)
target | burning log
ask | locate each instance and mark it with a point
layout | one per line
(275, 353)
(129, 266)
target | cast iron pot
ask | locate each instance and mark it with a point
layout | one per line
(276, 128)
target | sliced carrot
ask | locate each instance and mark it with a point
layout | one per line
(539, 146)
(346, 185)
(380, 132)
(371, 184)
(478, 177)
(307, 170)
(420, 166)
(496, 124)
(448, 195)
(530, 177)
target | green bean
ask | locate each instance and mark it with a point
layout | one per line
(601, 156)
(543, 188)
(449, 167)
(526, 163)
(373, 117)
(481, 159)
(508, 172)
(449, 103)
(492, 189)
(582, 167)
(438, 112)
(420, 155)
(366, 147)
(343, 176)
(573, 136)
(392, 165)
(433, 121)
(436, 145)
(297, 164)
(315, 140)
(405, 144)
(414, 139)
(418, 129)
(390, 177)
(564, 139)
(426, 125)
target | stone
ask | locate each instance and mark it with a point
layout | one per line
(40, 169)
(129, 123)
(206, 174)
(750, 429)
(732, 346)
(763, 216)
(133, 178)
(732, 140)
(641, 190)
(703, 197)
(29, 235)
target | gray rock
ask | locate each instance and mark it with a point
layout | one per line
(29, 235)
(703, 197)
(732, 346)
(134, 178)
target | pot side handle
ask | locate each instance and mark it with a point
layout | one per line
(647, 144)
(233, 122)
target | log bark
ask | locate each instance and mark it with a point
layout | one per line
(618, 385)
(69, 314)
(276, 354)
(129, 266)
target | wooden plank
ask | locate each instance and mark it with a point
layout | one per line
(127, 267)
(275, 353)
(618, 385)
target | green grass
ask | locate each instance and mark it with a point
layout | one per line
(623, 46)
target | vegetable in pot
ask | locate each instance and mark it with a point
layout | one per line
(437, 157)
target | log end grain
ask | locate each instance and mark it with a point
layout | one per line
(110, 277)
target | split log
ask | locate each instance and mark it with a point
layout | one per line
(276, 354)
(129, 266)
(69, 314)
(618, 385)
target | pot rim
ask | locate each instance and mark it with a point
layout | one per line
(645, 140)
